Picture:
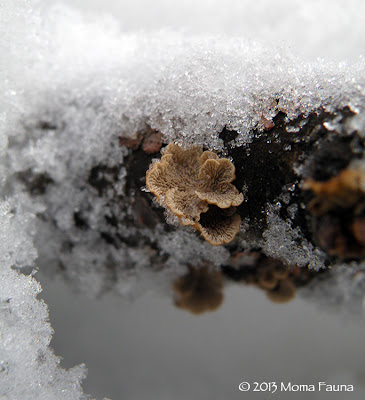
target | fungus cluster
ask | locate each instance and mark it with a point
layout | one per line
(196, 186)
(275, 279)
(278, 280)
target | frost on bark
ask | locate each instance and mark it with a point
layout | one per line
(279, 225)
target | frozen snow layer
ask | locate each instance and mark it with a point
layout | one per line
(87, 73)
(28, 367)
(320, 28)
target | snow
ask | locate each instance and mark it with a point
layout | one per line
(75, 79)
(341, 290)
(284, 242)
(28, 367)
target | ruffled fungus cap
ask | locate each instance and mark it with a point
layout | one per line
(196, 186)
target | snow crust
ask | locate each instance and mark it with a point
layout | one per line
(28, 367)
(72, 82)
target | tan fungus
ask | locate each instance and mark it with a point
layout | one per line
(199, 291)
(343, 190)
(196, 186)
(283, 293)
(339, 205)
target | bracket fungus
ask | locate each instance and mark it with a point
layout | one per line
(197, 187)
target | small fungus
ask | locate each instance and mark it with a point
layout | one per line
(152, 143)
(199, 291)
(277, 280)
(197, 187)
(344, 190)
(338, 209)
(150, 140)
(283, 293)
